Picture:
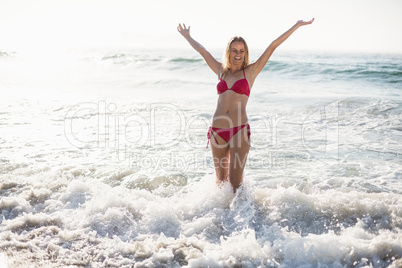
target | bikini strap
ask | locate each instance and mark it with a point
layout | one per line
(244, 73)
(209, 135)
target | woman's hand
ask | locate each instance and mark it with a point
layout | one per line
(183, 30)
(211, 61)
(259, 64)
(302, 22)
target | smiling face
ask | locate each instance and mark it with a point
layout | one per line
(236, 53)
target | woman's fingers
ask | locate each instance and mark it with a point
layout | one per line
(183, 29)
(302, 22)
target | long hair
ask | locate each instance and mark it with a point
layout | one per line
(226, 62)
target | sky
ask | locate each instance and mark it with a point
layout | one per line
(342, 25)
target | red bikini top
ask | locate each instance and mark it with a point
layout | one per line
(240, 86)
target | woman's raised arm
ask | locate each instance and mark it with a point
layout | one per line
(263, 59)
(210, 60)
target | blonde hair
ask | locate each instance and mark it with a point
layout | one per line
(226, 62)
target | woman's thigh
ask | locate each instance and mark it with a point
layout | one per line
(220, 154)
(239, 149)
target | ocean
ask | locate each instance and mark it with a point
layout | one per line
(103, 161)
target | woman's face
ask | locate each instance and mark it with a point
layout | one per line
(237, 52)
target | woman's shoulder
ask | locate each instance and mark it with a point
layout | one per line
(250, 69)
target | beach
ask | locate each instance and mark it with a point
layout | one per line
(103, 161)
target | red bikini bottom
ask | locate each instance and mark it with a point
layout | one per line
(227, 133)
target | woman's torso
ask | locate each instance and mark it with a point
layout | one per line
(233, 93)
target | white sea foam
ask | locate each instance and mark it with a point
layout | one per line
(87, 221)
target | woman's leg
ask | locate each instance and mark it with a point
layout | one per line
(220, 154)
(239, 149)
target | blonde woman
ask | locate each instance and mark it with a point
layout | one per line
(230, 131)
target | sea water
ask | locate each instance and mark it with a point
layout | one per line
(103, 162)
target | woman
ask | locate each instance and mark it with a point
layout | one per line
(230, 132)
